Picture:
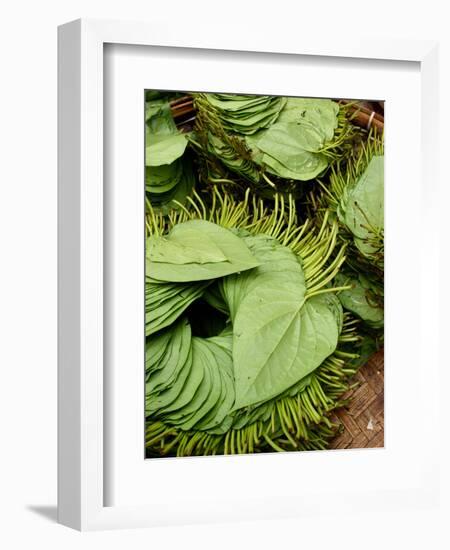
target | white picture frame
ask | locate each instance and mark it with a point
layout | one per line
(82, 402)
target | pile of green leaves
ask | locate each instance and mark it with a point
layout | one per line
(294, 139)
(356, 196)
(273, 335)
(294, 147)
(169, 176)
(362, 211)
(258, 312)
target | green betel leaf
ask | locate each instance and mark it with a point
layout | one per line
(320, 114)
(291, 147)
(164, 149)
(275, 347)
(265, 306)
(266, 329)
(289, 150)
(164, 143)
(361, 299)
(204, 251)
(277, 266)
(184, 250)
(158, 118)
(364, 207)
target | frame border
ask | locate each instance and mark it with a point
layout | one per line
(80, 226)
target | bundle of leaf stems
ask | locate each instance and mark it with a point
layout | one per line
(300, 422)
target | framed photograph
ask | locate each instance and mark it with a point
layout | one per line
(232, 343)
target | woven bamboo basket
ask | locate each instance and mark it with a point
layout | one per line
(363, 419)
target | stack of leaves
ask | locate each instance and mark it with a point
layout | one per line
(362, 211)
(355, 195)
(169, 176)
(269, 365)
(246, 114)
(296, 141)
(295, 146)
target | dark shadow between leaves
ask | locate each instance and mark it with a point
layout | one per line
(48, 512)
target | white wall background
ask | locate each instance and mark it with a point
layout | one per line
(28, 270)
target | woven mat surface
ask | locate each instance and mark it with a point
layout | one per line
(363, 419)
